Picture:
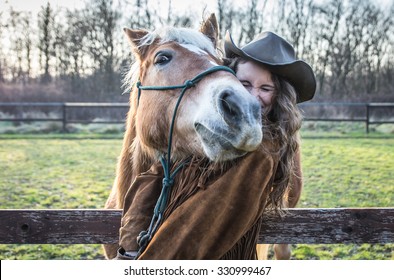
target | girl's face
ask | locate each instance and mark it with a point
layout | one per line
(257, 80)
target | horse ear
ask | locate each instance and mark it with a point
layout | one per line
(134, 36)
(210, 28)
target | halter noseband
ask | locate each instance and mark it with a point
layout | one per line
(145, 236)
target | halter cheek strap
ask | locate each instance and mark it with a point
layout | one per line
(145, 236)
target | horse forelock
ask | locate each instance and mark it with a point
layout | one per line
(180, 35)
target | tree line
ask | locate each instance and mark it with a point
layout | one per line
(83, 53)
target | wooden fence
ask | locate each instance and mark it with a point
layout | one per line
(298, 226)
(64, 108)
(367, 118)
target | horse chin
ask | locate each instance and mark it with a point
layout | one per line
(216, 146)
(225, 155)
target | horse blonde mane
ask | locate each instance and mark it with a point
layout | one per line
(180, 35)
(167, 34)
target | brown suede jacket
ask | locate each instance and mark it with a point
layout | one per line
(212, 213)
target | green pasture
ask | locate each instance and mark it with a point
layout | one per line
(77, 170)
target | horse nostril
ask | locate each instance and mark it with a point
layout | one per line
(229, 106)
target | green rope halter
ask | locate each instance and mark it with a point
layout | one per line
(145, 236)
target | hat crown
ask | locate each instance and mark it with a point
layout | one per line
(271, 48)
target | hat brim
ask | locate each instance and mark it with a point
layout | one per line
(298, 73)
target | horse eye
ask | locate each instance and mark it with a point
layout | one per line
(162, 59)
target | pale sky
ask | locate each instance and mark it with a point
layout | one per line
(34, 5)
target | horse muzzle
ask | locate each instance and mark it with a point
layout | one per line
(232, 127)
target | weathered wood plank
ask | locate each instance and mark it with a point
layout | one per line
(308, 226)
(59, 226)
(331, 226)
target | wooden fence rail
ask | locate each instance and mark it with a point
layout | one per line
(298, 226)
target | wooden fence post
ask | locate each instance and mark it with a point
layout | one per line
(367, 119)
(64, 108)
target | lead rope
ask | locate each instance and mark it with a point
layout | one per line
(145, 236)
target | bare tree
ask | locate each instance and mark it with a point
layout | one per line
(102, 23)
(226, 16)
(251, 21)
(386, 52)
(330, 16)
(75, 43)
(2, 59)
(244, 22)
(143, 16)
(27, 43)
(46, 39)
(16, 41)
(19, 55)
(373, 37)
(279, 17)
(358, 50)
(298, 23)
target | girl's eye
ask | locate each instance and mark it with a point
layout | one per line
(267, 89)
(162, 59)
(246, 84)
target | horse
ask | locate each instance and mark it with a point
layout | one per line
(210, 115)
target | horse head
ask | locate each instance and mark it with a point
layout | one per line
(217, 118)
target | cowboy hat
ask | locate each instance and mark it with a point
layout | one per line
(278, 56)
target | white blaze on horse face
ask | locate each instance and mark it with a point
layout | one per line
(226, 118)
(194, 49)
(197, 50)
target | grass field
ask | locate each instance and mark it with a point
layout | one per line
(71, 171)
